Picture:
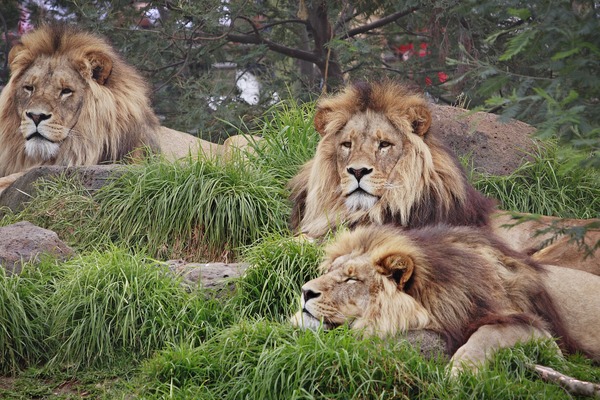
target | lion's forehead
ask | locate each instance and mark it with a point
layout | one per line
(351, 264)
(370, 126)
(48, 72)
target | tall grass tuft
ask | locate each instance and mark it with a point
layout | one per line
(547, 184)
(22, 320)
(198, 210)
(289, 139)
(265, 360)
(270, 288)
(115, 303)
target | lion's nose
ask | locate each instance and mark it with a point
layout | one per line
(308, 294)
(359, 172)
(37, 118)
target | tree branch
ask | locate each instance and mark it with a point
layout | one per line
(379, 23)
(570, 384)
(276, 47)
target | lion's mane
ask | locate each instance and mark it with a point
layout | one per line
(452, 280)
(427, 185)
(114, 118)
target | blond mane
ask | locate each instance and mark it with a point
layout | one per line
(427, 184)
(114, 118)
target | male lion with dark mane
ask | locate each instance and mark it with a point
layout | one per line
(378, 163)
(459, 281)
(71, 100)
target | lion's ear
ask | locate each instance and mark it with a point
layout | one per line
(19, 57)
(321, 119)
(420, 117)
(98, 65)
(398, 267)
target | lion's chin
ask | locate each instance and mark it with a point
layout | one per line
(360, 200)
(305, 320)
(41, 149)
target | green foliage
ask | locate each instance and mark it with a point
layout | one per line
(270, 361)
(22, 313)
(201, 209)
(114, 304)
(279, 267)
(64, 206)
(289, 139)
(539, 63)
(548, 184)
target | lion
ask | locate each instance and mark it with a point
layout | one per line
(72, 100)
(462, 282)
(378, 163)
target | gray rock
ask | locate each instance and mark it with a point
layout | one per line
(92, 178)
(23, 242)
(494, 147)
(429, 343)
(206, 275)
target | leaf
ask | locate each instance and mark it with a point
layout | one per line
(564, 54)
(517, 44)
(521, 13)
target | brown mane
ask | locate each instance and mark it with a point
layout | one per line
(442, 193)
(114, 119)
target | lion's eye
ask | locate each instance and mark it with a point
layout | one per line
(347, 144)
(351, 279)
(66, 91)
(383, 144)
(28, 88)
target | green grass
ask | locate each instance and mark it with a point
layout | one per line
(266, 360)
(116, 316)
(548, 184)
(198, 210)
(280, 265)
(116, 303)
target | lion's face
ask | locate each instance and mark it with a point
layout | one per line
(339, 296)
(368, 149)
(363, 285)
(49, 99)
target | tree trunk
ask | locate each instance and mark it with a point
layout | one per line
(327, 62)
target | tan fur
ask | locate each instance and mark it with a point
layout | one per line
(75, 99)
(413, 180)
(459, 281)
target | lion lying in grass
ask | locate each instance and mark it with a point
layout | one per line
(378, 163)
(459, 281)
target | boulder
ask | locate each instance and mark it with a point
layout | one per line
(175, 145)
(23, 189)
(206, 275)
(493, 146)
(25, 242)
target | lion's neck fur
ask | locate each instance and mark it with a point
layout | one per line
(115, 120)
(428, 189)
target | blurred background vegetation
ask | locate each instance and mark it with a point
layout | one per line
(215, 65)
